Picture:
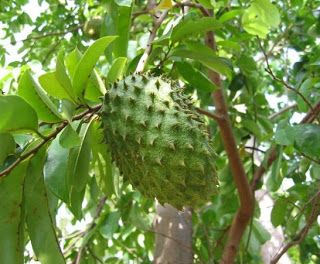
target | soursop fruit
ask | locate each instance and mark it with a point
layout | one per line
(159, 141)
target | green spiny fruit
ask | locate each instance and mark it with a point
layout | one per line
(159, 141)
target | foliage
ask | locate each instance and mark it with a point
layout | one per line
(54, 161)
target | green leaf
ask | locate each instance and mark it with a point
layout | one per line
(230, 15)
(30, 91)
(39, 221)
(95, 88)
(75, 197)
(275, 178)
(307, 139)
(12, 216)
(209, 59)
(62, 76)
(285, 135)
(69, 138)
(278, 213)
(101, 159)
(246, 64)
(252, 126)
(16, 115)
(72, 60)
(193, 76)
(260, 17)
(189, 27)
(51, 85)
(86, 64)
(117, 69)
(260, 232)
(55, 170)
(80, 167)
(117, 21)
(7, 146)
(110, 225)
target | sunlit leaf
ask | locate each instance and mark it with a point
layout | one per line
(85, 66)
(16, 115)
(30, 91)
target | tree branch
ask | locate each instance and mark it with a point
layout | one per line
(315, 210)
(144, 58)
(245, 211)
(51, 34)
(212, 115)
(46, 140)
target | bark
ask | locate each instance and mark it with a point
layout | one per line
(173, 231)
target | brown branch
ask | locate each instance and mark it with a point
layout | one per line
(46, 140)
(312, 115)
(156, 24)
(204, 11)
(282, 111)
(88, 232)
(245, 211)
(212, 115)
(315, 210)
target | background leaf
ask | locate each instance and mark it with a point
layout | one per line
(39, 221)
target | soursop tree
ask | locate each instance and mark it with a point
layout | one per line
(164, 132)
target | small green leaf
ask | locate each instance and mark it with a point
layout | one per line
(260, 17)
(252, 126)
(95, 88)
(117, 69)
(85, 66)
(30, 91)
(230, 15)
(69, 138)
(16, 115)
(278, 213)
(51, 85)
(110, 225)
(196, 78)
(39, 221)
(12, 216)
(7, 146)
(101, 159)
(189, 27)
(209, 59)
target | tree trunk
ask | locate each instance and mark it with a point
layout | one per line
(173, 231)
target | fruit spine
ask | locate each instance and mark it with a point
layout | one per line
(159, 141)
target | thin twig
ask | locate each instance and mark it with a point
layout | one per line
(157, 23)
(51, 34)
(212, 115)
(282, 111)
(88, 232)
(51, 136)
(274, 77)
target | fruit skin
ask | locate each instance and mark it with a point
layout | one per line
(159, 141)
(92, 27)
